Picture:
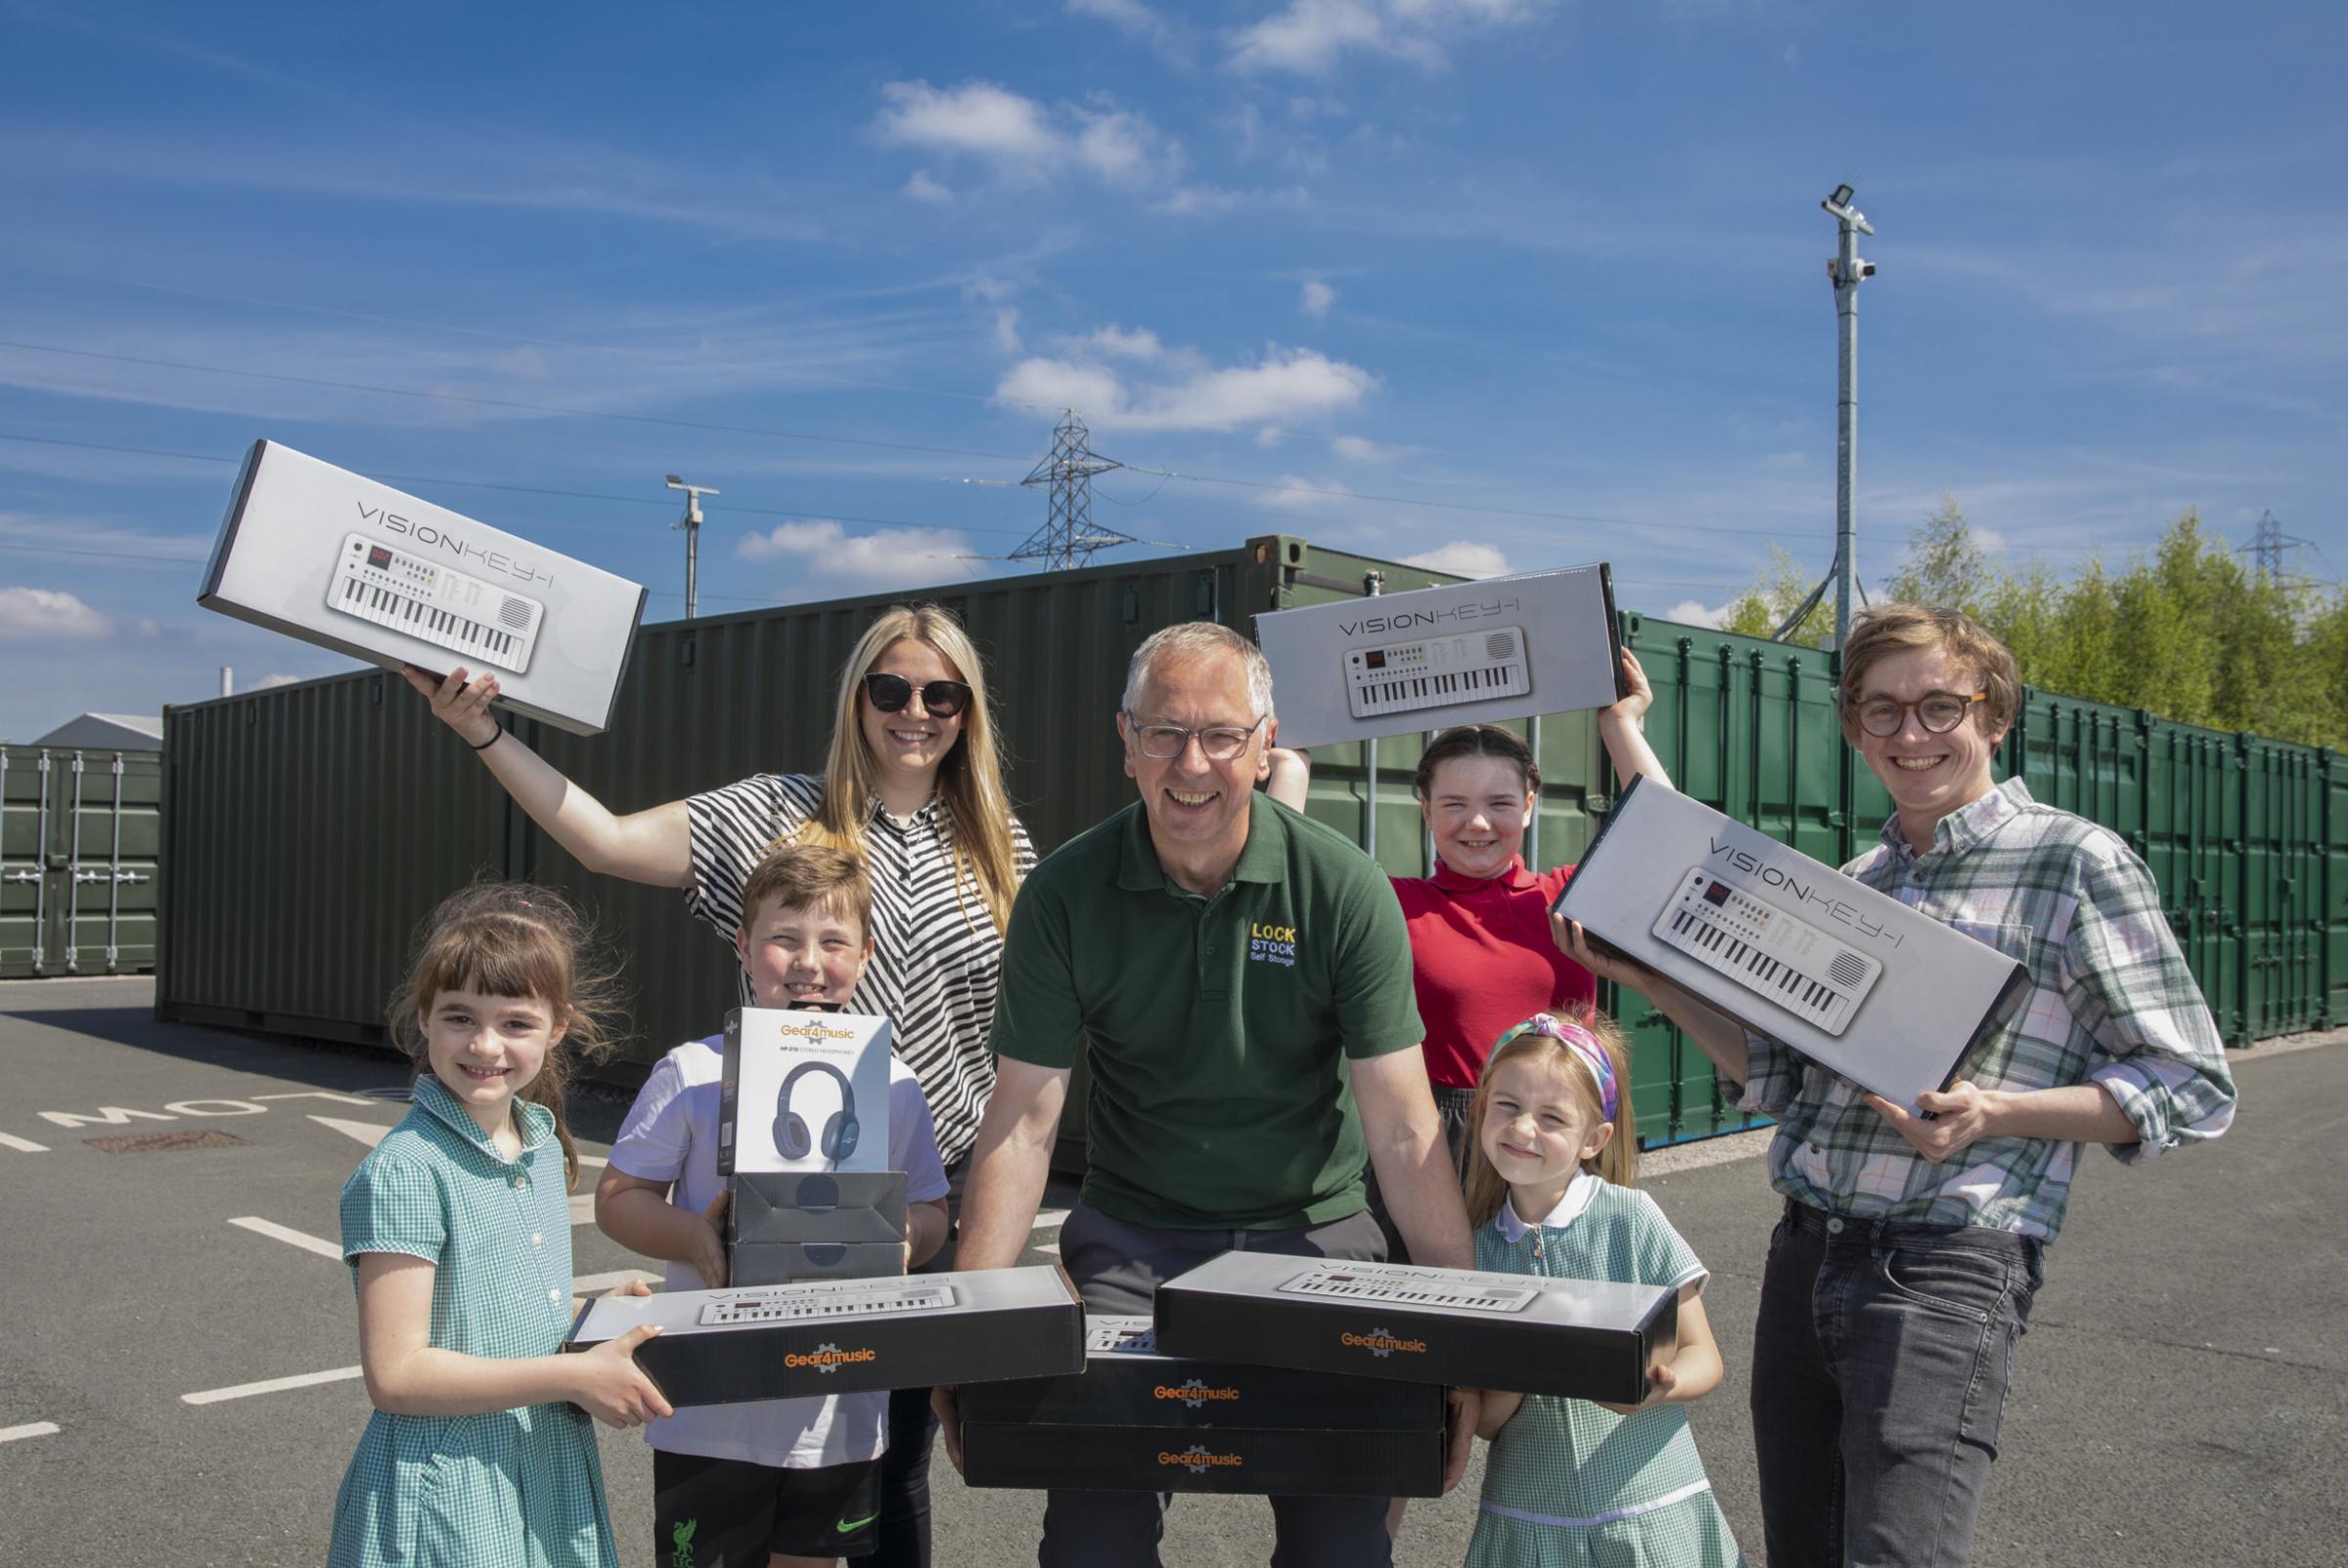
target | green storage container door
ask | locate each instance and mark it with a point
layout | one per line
(2331, 773)
(2282, 872)
(2192, 813)
(79, 851)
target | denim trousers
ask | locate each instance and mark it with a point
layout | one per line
(1881, 1362)
(1118, 1267)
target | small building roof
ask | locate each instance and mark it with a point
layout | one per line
(106, 732)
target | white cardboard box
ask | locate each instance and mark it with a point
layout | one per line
(803, 1091)
(338, 559)
(1472, 652)
(1860, 983)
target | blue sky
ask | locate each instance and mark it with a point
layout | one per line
(1496, 284)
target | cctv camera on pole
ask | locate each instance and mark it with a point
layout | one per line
(690, 523)
(1847, 272)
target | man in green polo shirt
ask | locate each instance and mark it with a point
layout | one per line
(1241, 978)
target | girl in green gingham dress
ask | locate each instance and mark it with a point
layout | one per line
(457, 1229)
(1572, 1483)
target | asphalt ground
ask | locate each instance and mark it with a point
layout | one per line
(2182, 1396)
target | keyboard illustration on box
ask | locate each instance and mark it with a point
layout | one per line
(1437, 672)
(806, 1303)
(442, 606)
(1740, 932)
(1409, 1287)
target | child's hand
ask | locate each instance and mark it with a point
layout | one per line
(1660, 1381)
(1637, 695)
(612, 1388)
(1604, 962)
(462, 705)
(708, 1258)
(947, 1406)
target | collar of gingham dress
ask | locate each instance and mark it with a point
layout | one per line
(1967, 826)
(1514, 878)
(1578, 1193)
(431, 1095)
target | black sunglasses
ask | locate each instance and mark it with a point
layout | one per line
(890, 692)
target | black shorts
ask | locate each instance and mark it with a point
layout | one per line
(731, 1513)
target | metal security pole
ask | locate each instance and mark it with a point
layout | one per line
(1373, 583)
(1847, 272)
(690, 523)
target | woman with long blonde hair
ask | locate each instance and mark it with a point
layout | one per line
(912, 784)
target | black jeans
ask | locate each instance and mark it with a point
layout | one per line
(1880, 1361)
(904, 1531)
(1118, 1267)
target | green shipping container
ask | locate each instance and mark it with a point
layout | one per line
(79, 844)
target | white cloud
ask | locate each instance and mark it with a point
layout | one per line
(1694, 612)
(1117, 342)
(922, 188)
(1361, 449)
(1299, 494)
(1309, 37)
(1026, 141)
(824, 560)
(1138, 20)
(1464, 558)
(1006, 329)
(32, 613)
(1315, 298)
(1285, 384)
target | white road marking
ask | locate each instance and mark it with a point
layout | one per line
(12, 1141)
(1048, 1219)
(1050, 1248)
(582, 1208)
(274, 1385)
(593, 1285)
(9, 1434)
(292, 1237)
(367, 1133)
(317, 1093)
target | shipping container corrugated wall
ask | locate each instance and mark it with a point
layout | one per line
(311, 827)
(80, 846)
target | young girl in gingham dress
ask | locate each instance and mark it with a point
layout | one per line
(480, 1452)
(1569, 1481)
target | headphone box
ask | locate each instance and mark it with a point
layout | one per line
(803, 1091)
(1576, 1338)
(1889, 998)
(1139, 1421)
(338, 559)
(1545, 641)
(818, 1206)
(788, 1263)
(849, 1336)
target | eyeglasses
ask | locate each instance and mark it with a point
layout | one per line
(1164, 741)
(1938, 712)
(890, 692)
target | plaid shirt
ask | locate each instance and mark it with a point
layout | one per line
(2108, 999)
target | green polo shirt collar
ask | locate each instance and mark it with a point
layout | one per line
(1264, 858)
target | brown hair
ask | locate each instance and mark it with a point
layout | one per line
(1895, 628)
(806, 876)
(1477, 740)
(1618, 1162)
(969, 777)
(513, 939)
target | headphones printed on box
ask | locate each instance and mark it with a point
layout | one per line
(840, 1135)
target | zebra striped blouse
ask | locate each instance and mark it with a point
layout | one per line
(937, 957)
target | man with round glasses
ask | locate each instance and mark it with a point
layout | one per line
(1904, 1268)
(1240, 977)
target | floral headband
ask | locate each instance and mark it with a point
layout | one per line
(1583, 1044)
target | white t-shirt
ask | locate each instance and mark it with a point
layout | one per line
(671, 1136)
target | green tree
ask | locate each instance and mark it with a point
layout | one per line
(1776, 593)
(1944, 564)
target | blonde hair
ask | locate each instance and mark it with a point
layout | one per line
(1898, 628)
(1618, 1162)
(969, 777)
(811, 877)
(513, 939)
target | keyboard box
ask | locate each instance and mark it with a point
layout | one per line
(1576, 1338)
(732, 1346)
(1546, 642)
(338, 559)
(815, 1206)
(1139, 1421)
(1790, 948)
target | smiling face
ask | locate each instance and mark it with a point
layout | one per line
(1928, 774)
(1476, 808)
(1197, 807)
(909, 743)
(1539, 1129)
(486, 1050)
(795, 957)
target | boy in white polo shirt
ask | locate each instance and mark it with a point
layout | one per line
(783, 1482)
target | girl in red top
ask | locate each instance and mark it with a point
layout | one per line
(1484, 956)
